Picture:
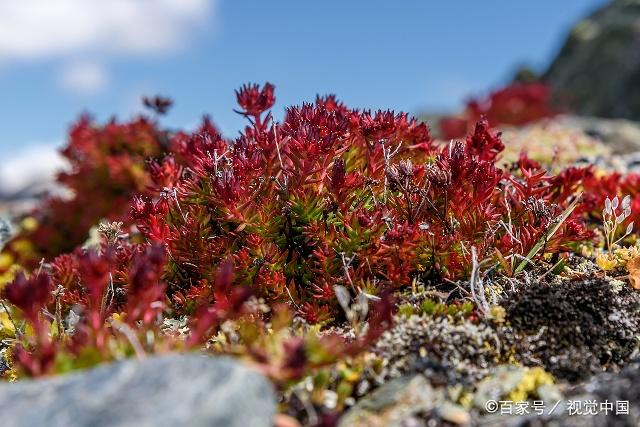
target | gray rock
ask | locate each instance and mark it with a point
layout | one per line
(393, 404)
(406, 401)
(567, 140)
(5, 231)
(618, 387)
(619, 135)
(187, 390)
(615, 388)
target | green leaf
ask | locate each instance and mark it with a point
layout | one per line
(548, 235)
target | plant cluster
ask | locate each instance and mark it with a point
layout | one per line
(106, 168)
(516, 105)
(333, 196)
(285, 246)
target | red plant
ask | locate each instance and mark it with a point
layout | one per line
(331, 196)
(30, 295)
(516, 104)
(337, 196)
(106, 168)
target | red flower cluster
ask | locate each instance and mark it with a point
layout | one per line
(106, 168)
(338, 196)
(279, 216)
(517, 104)
(93, 286)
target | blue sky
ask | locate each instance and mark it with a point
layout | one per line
(102, 55)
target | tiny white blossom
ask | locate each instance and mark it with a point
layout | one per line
(344, 298)
(614, 203)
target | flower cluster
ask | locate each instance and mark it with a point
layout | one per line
(516, 104)
(334, 196)
(106, 167)
(321, 217)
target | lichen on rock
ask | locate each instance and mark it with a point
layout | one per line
(449, 351)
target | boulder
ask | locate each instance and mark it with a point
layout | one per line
(406, 401)
(177, 390)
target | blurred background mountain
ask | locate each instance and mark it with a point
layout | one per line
(597, 71)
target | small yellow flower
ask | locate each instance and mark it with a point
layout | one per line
(606, 261)
(22, 247)
(29, 224)
(498, 313)
(10, 274)
(6, 260)
(6, 326)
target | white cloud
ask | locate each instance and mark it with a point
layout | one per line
(36, 29)
(31, 170)
(84, 78)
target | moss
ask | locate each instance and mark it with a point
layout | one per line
(516, 383)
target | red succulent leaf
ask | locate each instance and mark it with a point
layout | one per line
(30, 294)
(253, 100)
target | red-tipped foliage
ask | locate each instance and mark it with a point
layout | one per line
(106, 168)
(29, 294)
(236, 230)
(145, 287)
(254, 101)
(337, 196)
(226, 303)
(516, 104)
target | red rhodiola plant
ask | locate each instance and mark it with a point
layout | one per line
(114, 293)
(106, 167)
(334, 196)
(283, 219)
(516, 104)
(36, 354)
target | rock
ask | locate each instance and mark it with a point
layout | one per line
(515, 383)
(568, 330)
(620, 388)
(618, 135)
(455, 414)
(400, 402)
(178, 390)
(569, 139)
(597, 71)
(446, 350)
(565, 140)
(5, 231)
(558, 142)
